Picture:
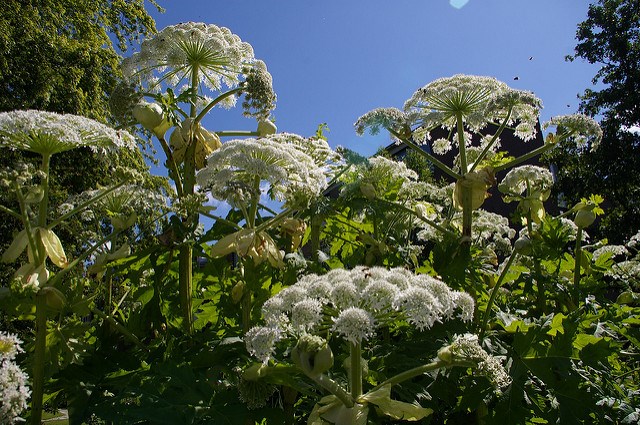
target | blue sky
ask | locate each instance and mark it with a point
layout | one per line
(334, 60)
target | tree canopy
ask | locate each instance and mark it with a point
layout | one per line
(610, 36)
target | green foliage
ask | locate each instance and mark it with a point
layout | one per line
(608, 37)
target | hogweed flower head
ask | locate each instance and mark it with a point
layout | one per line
(280, 160)
(466, 348)
(48, 133)
(389, 118)
(14, 391)
(478, 100)
(353, 304)
(585, 130)
(177, 51)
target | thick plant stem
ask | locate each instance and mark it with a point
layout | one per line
(494, 292)
(246, 310)
(44, 204)
(355, 373)
(467, 213)
(38, 359)
(542, 302)
(462, 148)
(334, 388)
(186, 250)
(412, 373)
(186, 285)
(576, 270)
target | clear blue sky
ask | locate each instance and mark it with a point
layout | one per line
(334, 60)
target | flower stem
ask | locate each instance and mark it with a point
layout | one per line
(38, 358)
(576, 270)
(355, 374)
(484, 152)
(44, 204)
(462, 148)
(334, 388)
(412, 373)
(494, 292)
(538, 151)
(441, 165)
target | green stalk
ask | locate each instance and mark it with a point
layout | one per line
(85, 204)
(10, 212)
(214, 102)
(523, 158)
(38, 359)
(412, 373)
(334, 388)
(355, 373)
(484, 152)
(185, 257)
(239, 133)
(576, 270)
(27, 224)
(467, 212)
(494, 292)
(44, 204)
(462, 148)
(441, 165)
(172, 165)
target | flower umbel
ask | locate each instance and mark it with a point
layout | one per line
(48, 133)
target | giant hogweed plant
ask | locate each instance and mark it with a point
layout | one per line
(348, 309)
(465, 106)
(183, 65)
(47, 134)
(292, 170)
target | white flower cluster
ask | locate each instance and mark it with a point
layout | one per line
(14, 392)
(352, 304)
(480, 100)
(389, 118)
(614, 250)
(383, 176)
(215, 52)
(124, 199)
(234, 171)
(519, 179)
(492, 230)
(466, 347)
(585, 130)
(48, 133)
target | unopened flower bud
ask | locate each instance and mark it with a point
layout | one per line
(237, 292)
(368, 190)
(266, 128)
(313, 355)
(54, 299)
(445, 354)
(149, 115)
(584, 218)
(523, 246)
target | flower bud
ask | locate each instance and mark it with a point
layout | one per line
(54, 299)
(313, 355)
(266, 128)
(237, 292)
(368, 190)
(445, 354)
(523, 246)
(584, 218)
(149, 115)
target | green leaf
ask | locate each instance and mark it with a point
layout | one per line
(395, 409)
